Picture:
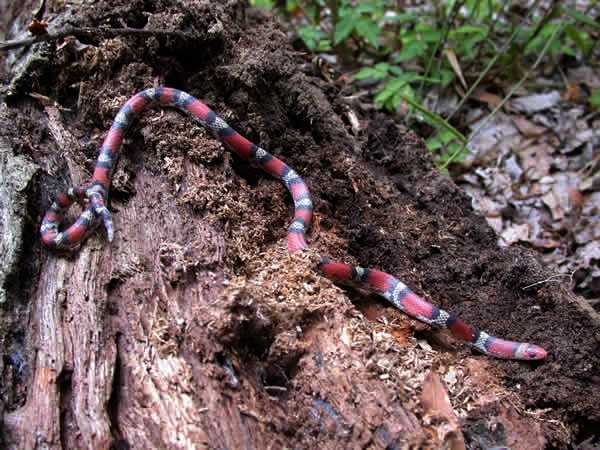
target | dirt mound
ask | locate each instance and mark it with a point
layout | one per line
(198, 314)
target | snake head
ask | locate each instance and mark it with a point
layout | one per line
(531, 352)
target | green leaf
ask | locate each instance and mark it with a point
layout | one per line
(567, 50)
(436, 120)
(324, 45)
(383, 96)
(367, 72)
(396, 70)
(265, 4)
(428, 33)
(445, 136)
(344, 28)
(433, 143)
(541, 39)
(465, 46)
(432, 36)
(369, 30)
(446, 76)
(393, 86)
(291, 5)
(369, 7)
(595, 99)
(378, 72)
(412, 49)
(311, 36)
(454, 152)
(403, 93)
(471, 29)
(580, 17)
(580, 38)
(443, 139)
(477, 9)
(422, 27)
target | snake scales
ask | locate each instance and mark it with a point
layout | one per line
(94, 197)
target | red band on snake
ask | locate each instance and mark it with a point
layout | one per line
(95, 196)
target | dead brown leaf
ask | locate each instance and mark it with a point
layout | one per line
(573, 93)
(552, 201)
(585, 75)
(453, 60)
(528, 128)
(576, 197)
(37, 27)
(531, 104)
(489, 98)
(516, 233)
(496, 223)
(536, 161)
(436, 403)
(547, 244)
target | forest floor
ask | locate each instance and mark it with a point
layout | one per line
(313, 364)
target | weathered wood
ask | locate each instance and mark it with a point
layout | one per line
(16, 174)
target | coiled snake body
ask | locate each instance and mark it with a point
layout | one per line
(94, 197)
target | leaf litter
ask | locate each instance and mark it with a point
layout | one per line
(537, 179)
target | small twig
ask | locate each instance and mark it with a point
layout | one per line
(251, 414)
(552, 279)
(276, 388)
(47, 101)
(87, 32)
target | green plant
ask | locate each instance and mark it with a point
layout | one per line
(595, 99)
(266, 4)
(360, 21)
(349, 21)
(410, 52)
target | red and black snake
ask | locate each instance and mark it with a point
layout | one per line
(94, 197)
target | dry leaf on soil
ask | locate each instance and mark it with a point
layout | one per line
(436, 403)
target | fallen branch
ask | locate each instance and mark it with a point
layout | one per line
(90, 32)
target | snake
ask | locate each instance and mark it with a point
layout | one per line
(94, 199)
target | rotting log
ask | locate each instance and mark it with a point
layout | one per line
(195, 329)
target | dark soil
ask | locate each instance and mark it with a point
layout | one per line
(275, 339)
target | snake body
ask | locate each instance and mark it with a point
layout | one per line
(94, 199)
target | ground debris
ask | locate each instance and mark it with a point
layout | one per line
(543, 189)
(535, 103)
